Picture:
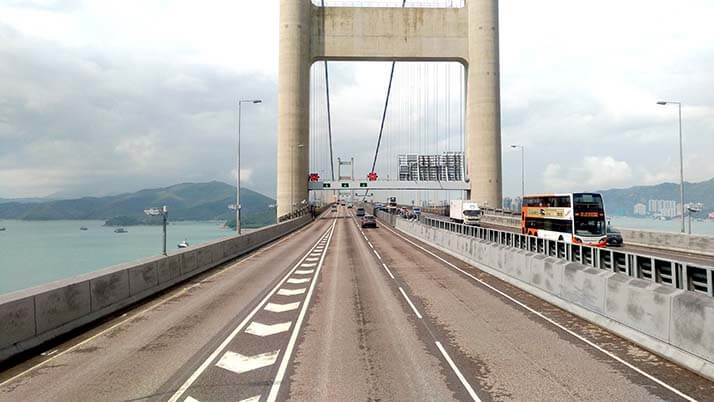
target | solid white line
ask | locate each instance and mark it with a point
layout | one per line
(273, 395)
(541, 315)
(388, 271)
(377, 254)
(253, 254)
(458, 373)
(410, 303)
(235, 332)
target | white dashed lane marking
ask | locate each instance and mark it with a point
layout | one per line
(238, 363)
(291, 292)
(281, 308)
(260, 329)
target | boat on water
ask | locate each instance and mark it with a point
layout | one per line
(121, 230)
(184, 244)
(83, 228)
(2, 229)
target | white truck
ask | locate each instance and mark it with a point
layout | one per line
(466, 212)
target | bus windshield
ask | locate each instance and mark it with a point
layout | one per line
(589, 226)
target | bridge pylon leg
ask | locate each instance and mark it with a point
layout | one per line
(483, 104)
(293, 104)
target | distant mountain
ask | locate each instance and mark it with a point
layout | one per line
(187, 201)
(622, 201)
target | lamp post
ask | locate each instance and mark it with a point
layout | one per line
(164, 212)
(693, 209)
(681, 158)
(240, 103)
(523, 168)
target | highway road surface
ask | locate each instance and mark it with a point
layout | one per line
(334, 312)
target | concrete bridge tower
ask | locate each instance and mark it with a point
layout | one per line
(467, 35)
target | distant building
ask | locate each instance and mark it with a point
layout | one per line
(517, 204)
(711, 216)
(640, 209)
(507, 203)
(663, 208)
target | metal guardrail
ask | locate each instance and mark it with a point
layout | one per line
(682, 275)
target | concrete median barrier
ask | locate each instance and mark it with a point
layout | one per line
(673, 323)
(31, 317)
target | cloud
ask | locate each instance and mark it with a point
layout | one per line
(596, 172)
(89, 106)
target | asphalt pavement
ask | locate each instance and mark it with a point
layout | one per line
(336, 312)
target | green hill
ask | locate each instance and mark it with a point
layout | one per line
(187, 201)
(622, 201)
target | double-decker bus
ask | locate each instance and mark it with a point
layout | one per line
(576, 217)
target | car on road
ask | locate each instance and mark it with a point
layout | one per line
(614, 237)
(416, 211)
(349, 206)
(360, 212)
(369, 221)
(333, 208)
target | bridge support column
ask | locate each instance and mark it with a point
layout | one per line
(483, 104)
(293, 103)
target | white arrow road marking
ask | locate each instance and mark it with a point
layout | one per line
(291, 280)
(259, 329)
(281, 308)
(238, 363)
(253, 399)
(304, 271)
(308, 265)
(291, 292)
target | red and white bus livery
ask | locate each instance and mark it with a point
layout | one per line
(577, 218)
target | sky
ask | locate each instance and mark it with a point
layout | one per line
(103, 97)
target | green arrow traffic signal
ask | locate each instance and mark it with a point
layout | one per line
(326, 185)
(363, 185)
(345, 185)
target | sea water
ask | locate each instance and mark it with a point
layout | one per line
(37, 252)
(699, 227)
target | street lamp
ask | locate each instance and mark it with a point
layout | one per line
(693, 209)
(164, 212)
(240, 102)
(523, 168)
(681, 161)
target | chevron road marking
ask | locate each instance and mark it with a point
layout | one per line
(281, 308)
(259, 329)
(304, 271)
(291, 292)
(296, 281)
(238, 363)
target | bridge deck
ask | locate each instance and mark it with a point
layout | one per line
(336, 312)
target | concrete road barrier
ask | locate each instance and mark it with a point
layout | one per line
(669, 241)
(673, 323)
(33, 316)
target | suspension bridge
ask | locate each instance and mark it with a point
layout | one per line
(416, 309)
